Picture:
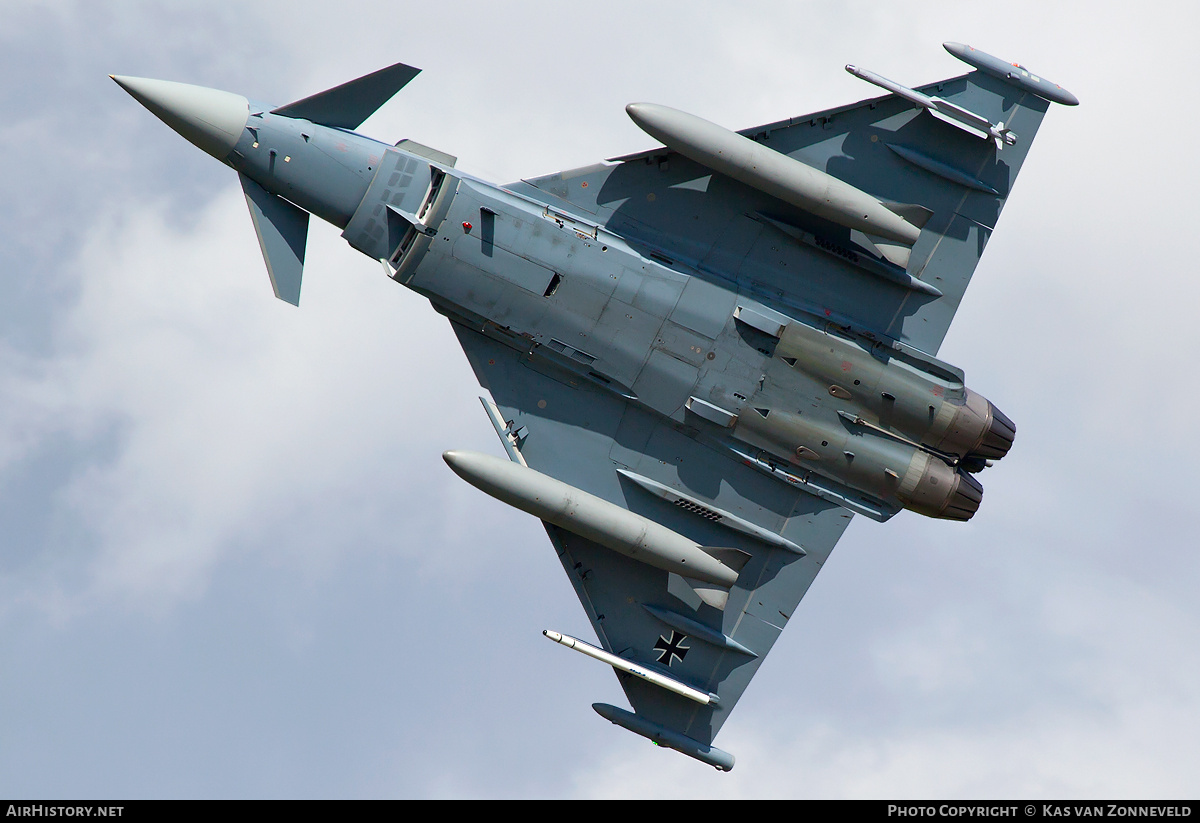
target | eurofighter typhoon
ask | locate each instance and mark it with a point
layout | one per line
(703, 360)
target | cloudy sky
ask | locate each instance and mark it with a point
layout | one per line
(233, 564)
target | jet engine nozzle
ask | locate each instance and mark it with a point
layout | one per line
(975, 429)
(934, 489)
(210, 119)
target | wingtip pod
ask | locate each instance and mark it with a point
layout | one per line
(719, 759)
(1013, 73)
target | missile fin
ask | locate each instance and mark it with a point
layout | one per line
(348, 105)
(282, 231)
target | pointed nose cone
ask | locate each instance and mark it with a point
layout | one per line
(212, 120)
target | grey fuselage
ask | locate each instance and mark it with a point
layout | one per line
(868, 424)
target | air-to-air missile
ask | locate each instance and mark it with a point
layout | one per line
(942, 109)
(620, 664)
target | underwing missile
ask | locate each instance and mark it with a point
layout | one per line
(942, 109)
(623, 665)
(598, 520)
(772, 172)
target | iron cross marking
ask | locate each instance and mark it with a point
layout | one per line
(669, 650)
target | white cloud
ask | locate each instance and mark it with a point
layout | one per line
(232, 412)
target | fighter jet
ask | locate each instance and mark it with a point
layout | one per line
(702, 360)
